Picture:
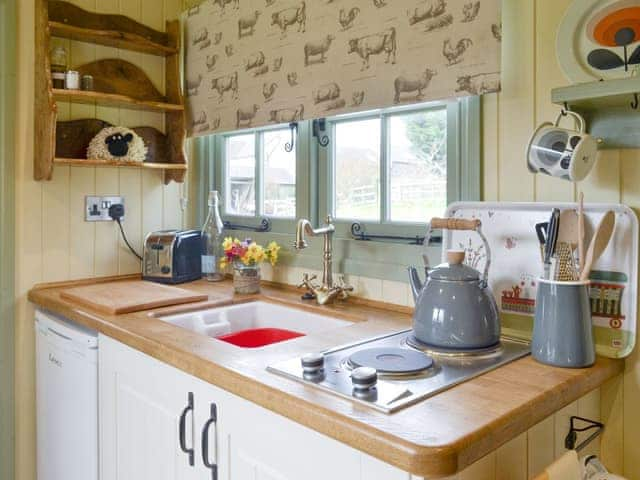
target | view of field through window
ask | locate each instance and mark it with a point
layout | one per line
(413, 158)
(278, 179)
(240, 175)
(416, 166)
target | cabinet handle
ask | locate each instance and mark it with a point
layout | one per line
(183, 429)
(205, 442)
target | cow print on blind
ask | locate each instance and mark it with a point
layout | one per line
(250, 64)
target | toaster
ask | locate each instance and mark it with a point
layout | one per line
(172, 256)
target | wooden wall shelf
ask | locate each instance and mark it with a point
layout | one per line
(85, 162)
(608, 108)
(110, 39)
(119, 84)
(70, 21)
(113, 100)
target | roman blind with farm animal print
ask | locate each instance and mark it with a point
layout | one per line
(250, 63)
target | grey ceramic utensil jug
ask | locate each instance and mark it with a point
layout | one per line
(455, 308)
(562, 329)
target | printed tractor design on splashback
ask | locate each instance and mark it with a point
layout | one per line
(272, 61)
(606, 297)
(521, 297)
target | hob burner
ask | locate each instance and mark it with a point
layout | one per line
(489, 351)
(393, 371)
(388, 360)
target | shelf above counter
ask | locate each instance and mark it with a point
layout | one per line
(113, 100)
(84, 162)
(110, 38)
(608, 108)
(598, 95)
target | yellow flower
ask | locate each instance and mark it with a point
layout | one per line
(228, 243)
(273, 250)
(255, 254)
(223, 263)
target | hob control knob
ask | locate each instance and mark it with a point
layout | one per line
(312, 363)
(364, 378)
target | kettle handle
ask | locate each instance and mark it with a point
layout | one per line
(466, 224)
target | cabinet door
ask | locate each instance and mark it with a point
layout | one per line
(261, 445)
(142, 403)
(257, 444)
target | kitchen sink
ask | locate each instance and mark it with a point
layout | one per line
(257, 323)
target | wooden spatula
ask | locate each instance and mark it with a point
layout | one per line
(599, 242)
(568, 228)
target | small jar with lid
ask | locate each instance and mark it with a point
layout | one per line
(72, 80)
(58, 66)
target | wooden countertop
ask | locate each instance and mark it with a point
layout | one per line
(436, 437)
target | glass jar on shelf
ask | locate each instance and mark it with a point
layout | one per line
(58, 66)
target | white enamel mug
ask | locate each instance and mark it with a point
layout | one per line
(562, 152)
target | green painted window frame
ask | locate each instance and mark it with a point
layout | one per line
(463, 163)
(216, 146)
(383, 260)
(314, 163)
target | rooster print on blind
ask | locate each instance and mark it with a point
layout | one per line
(251, 63)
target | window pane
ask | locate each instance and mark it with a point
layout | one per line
(418, 165)
(241, 175)
(357, 169)
(279, 175)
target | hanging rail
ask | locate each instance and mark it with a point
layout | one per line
(358, 232)
(265, 226)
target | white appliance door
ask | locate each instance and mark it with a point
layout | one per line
(67, 400)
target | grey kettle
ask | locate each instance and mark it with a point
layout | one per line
(455, 308)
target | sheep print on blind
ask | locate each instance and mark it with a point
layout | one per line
(250, 63)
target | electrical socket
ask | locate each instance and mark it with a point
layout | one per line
(96, 209)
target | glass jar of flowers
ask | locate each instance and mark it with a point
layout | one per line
(245, 257)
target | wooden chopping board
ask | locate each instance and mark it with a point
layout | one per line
(129, 296)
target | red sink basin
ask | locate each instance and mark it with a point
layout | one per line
(259, 337)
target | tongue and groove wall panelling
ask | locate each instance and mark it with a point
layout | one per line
(548, 75)
(131, 179)
(29, 246)
(53, 241)
(630, 194)
(530, 70)
(516, 117)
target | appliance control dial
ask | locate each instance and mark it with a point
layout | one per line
(364, 379)
(312, 363)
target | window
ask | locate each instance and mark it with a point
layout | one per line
(403, 179)
(393, 170)
(259, 175)
(389, 170)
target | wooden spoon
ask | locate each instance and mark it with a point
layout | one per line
(599, 242)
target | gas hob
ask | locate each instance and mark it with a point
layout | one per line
(394, 371)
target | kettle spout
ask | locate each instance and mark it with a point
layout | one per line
(416, 283)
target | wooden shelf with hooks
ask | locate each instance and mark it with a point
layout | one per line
(117, 83)
(610, 108)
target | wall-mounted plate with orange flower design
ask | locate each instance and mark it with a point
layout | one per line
(599, 39)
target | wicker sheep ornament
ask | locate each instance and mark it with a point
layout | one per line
(119, 144)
